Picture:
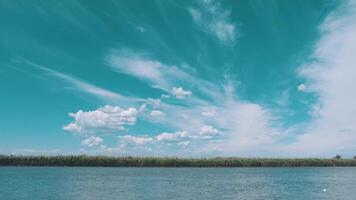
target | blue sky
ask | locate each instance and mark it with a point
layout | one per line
(178, 78)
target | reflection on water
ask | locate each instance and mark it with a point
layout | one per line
(34, 183)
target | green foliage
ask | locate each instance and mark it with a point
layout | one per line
(337, 157)
(104, 161)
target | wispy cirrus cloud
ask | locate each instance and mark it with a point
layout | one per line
(212, 18)
(140, 65)
(81, 85)
(168, 78)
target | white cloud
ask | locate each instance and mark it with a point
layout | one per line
(157, 113)
(82, 85)
(154, 102)
(179, 138)
(243, 127)
(129, 139)
(209, 113)
(165, 96)
(184, 144)
(141, 66)
(211, 18)
(196, 14)
(284, 98)
(302, 87)
(73, 127)
(92, 141)
(173, 137)
(107, 117)
(208, 130)
(157, 74)
(223, 30)
(142, 108)
(332, 77)
(141, 29)
(249, 127)
(180, 93)
(240, 126)
(32, 152)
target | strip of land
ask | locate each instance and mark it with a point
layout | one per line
(104, 161)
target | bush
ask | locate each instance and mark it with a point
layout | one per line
(337, 157)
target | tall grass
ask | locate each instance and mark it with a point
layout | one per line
(103, 161)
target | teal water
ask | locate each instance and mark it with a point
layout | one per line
(35, 183)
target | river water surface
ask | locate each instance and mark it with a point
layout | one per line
(64, 183)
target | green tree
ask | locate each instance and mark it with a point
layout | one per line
(337, 157)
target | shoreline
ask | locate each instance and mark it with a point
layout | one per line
(169, 162)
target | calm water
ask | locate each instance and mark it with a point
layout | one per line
(34, 183)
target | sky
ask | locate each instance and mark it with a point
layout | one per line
(195, 78)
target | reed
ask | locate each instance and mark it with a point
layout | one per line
(105, 161)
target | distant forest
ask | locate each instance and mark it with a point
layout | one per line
(104, 161)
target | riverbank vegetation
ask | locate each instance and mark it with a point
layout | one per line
(104, 161)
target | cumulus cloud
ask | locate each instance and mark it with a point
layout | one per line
(92, 141)
(157, 113)
(180, 93)
(208, 130)
(211, 18)
(107, 117)
(129, 139)
(178, 138)
(302, 87)
(173, 137)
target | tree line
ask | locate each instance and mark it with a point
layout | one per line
(105, 161)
